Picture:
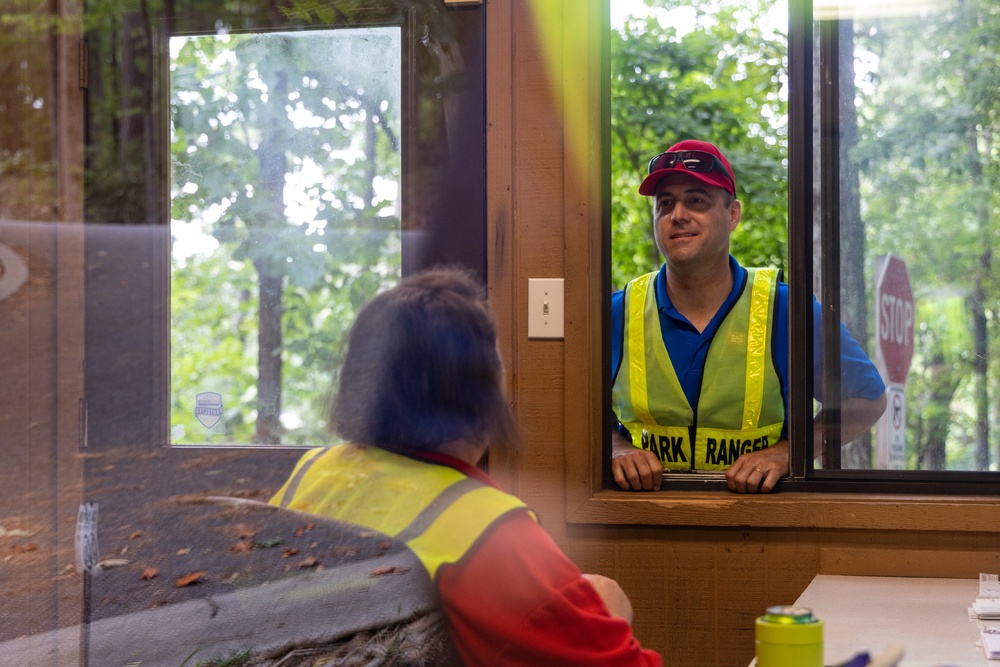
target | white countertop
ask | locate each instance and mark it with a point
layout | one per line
(928, 618)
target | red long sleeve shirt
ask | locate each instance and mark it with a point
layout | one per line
(517, 599)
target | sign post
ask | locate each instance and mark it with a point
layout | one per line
(894, 314)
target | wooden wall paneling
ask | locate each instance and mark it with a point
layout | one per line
(740, 591)
(634, 556)
(584, 220)
(791, 561)
(690, 562)
(642, 570)
(757, 569)
(909, 553)
(558, 218)
(537, 234)
(696, 591)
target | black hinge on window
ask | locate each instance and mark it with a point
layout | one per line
(82, 425)
(83, 63)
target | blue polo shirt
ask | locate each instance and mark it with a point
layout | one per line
(688, 348)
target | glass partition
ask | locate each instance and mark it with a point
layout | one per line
(285, 220)
(907, 166)
(194, 201)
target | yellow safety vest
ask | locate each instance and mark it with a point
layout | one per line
(437, 511)
(740, 405)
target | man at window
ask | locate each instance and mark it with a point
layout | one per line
(700, 347)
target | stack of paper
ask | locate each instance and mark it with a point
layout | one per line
(985, 607)
(987, 603)
(989, 585)
(991, 642)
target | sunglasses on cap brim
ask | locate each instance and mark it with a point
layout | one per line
(696, 161)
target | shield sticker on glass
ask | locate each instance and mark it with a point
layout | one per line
(208, 408)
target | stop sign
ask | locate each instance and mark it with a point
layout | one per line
(894, 311)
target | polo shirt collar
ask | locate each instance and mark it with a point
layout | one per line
(666, 306)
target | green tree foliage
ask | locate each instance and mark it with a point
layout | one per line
(27, 155)
(720, 82)
(210, 294)
(930, 178)
(277, 154)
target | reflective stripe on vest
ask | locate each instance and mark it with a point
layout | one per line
(437, 511)
(740, 407)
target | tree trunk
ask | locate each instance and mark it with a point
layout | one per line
(941, 386)
(977, 306)
(269, 262)
(270, 292)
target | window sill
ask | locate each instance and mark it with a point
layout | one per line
(791, 509)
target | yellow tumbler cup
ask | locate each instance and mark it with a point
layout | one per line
(789, 637)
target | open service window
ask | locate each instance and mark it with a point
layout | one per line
(861, 147)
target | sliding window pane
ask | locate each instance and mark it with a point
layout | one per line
(910, 164)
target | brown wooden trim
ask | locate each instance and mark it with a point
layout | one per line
(920, 560)
(500, 264)
(791, 510)
(583, 220)
(584, 163)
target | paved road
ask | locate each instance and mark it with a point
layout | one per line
(13, 271)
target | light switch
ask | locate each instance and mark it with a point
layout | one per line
(545, 308)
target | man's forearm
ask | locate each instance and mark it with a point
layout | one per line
(619, 444)
(857, 417)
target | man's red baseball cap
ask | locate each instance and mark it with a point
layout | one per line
(714, 174)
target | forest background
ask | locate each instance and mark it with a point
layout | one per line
(920, 171)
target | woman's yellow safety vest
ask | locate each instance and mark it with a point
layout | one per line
(740, 403)
(437, 511)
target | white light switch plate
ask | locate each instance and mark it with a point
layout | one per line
(545, 308)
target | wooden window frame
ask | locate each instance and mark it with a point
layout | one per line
(880, 502)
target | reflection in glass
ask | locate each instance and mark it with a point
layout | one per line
(917, 129)
(285, 219)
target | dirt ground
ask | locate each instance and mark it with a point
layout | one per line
(180, 525)
(153, 531)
